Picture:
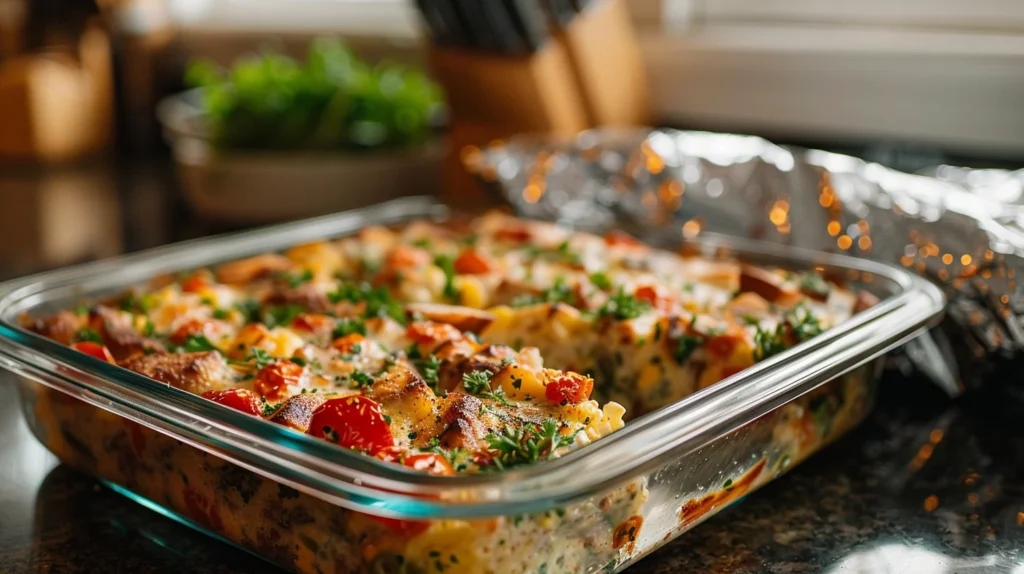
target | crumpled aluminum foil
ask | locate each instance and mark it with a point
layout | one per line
(963, 229)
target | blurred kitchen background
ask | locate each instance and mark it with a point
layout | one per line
(125, 124)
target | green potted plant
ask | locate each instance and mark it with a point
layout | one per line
(274, 138)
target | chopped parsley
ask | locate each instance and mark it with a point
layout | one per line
(220, 314)
(601, 280)
(361, 380)
(377, 300)
(516, 447)
(347, 327)
(796, 326)
(133, 304)
(812, 282)
(430, 369)
(295, 280)
(281, 315)
(422, 243)
(447, 264)
(198, 344)
(86, 334)
(559, 292)
(623, 306)
(685, 347)
(250, 310)
(566, 254)
(478, 383)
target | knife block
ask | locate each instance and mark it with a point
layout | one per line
(588, 73)
(492, 97)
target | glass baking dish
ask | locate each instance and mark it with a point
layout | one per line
(301, 502)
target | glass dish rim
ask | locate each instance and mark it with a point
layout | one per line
(358, 482)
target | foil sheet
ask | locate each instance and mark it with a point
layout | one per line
(962, 229)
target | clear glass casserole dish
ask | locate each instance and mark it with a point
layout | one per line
(302, 502)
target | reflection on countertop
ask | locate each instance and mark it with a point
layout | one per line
(926, 485)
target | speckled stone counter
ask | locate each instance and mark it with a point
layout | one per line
(926, 485)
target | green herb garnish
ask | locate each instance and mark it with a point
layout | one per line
(623, 306)
(298, 279)
(281, 315)
(198, 344)
(361, 380)
(685, 347)
(478, 383)
(87, 334)
(447, 264)
(601, 280)
(516, 447)
(377, 300)
(347, 327)
(250, 310)
(559, 292)
(796, 326)
(430, 369)
(812, 282)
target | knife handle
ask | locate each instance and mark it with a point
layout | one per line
(607, 64)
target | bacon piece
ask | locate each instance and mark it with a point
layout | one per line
(60, 327)
(246, 270)
(193, 372)
(297, 411)
(462, 318)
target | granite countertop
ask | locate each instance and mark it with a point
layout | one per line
(926, 485)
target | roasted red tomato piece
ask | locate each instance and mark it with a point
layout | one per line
(96, 350)
(569, 389)
(407, 256)
(195, 283)
(239, 399)
(347, 344)
(190, 328)
(472, 262)
(354, 422)
(614, 238)
(428, 332)
(273, 380)
(313, 323)
(722, 346)
(647, 293)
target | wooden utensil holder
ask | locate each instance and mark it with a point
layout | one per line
(587, 74)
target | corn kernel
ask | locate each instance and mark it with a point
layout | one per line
(650, 375)
(471, 291)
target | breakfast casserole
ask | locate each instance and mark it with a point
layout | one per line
(451, 347)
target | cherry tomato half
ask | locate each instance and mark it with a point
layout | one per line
(354, 422)
(647, 293)
(96, 350)
(569, 388)
(195, 283)
(273, 380)
(472, 262)
(239, 399)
